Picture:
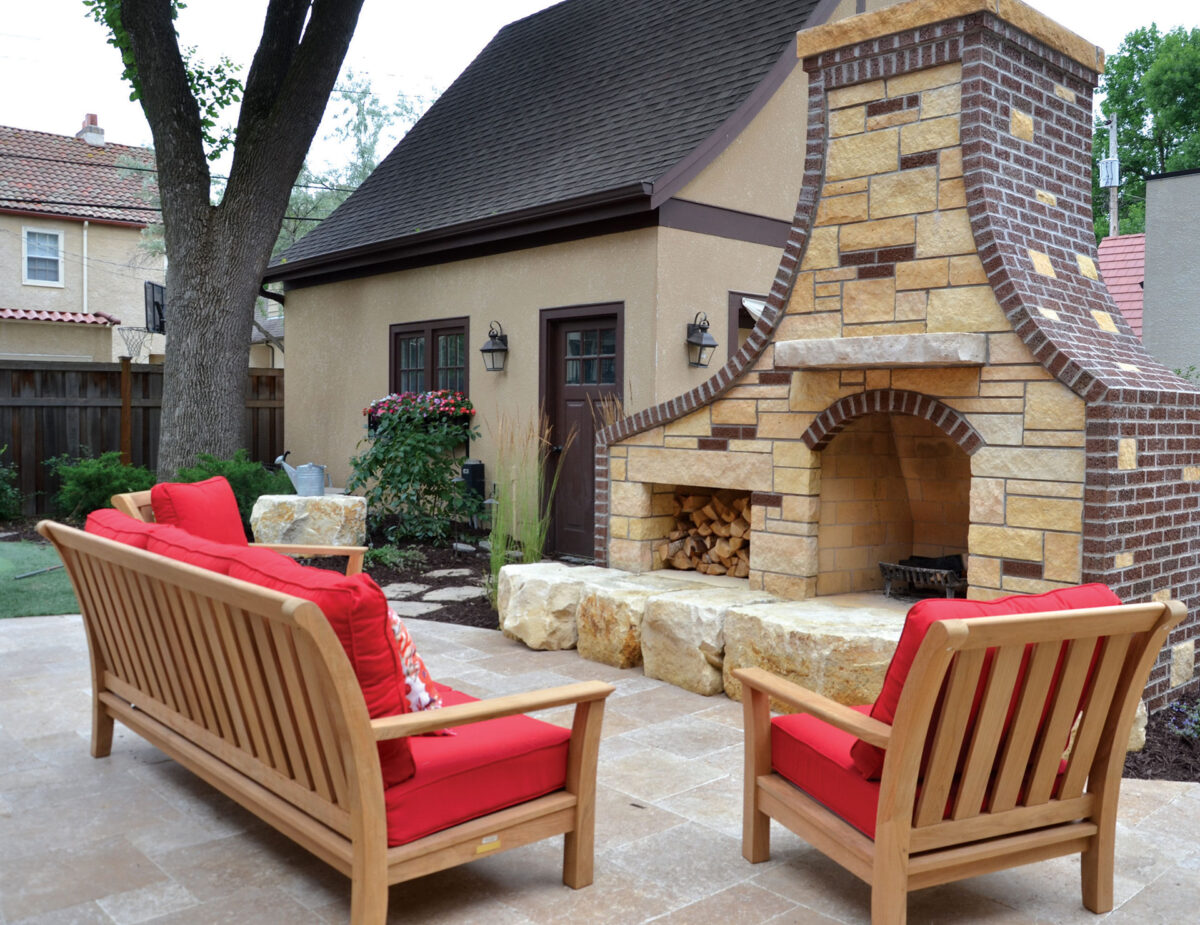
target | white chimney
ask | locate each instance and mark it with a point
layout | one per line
(91, 132)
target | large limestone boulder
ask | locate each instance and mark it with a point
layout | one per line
(837, 646)
(1137, 732)
(325, 520)
(611, 611)
(683, 635)
(538, 602)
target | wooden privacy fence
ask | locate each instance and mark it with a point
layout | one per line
(51, 409)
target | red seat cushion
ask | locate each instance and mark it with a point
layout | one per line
(815, 756)
(207, 509)
(183, 546)
(869, 758)
(113, 525)
(485, 767)
(358, 613)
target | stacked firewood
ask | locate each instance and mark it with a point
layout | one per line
(711, 535)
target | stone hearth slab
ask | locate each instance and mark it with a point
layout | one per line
(888, 350)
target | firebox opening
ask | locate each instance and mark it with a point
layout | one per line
(892, 487)
(711, 533)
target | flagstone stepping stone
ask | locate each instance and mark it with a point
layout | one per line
(455, 594)
(452, 573)
(413, 608)
(403, 589)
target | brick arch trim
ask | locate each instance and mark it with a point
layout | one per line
(830, 422)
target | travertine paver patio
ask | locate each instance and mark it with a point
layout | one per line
(134, 838)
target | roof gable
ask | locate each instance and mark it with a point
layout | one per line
(584, 101)
(1123, 268)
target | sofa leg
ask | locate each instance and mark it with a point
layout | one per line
(368, 901)
(1096, 870)
(578, 859)
(102, 730)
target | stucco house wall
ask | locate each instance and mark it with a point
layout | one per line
(1171, 301)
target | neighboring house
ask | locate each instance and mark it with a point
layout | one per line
(1172, 299)
(266, 342)
(602, 172)
(1123, 269)
(70, 225)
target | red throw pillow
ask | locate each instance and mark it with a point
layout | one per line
(206, 509)
(113, 525)
(182, 546)
(358, 613)
(869, 758)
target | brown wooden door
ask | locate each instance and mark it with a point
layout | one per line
(583, 365)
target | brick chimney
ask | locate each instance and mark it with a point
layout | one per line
(91, 132)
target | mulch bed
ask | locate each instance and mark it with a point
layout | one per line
(1167, 755)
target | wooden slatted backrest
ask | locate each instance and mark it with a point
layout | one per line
(256, 678)
(1024, 715)
(136, 504)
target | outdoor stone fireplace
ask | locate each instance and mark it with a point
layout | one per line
(939, 368)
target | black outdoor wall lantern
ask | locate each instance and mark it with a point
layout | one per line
(700, 343)
(496, 348)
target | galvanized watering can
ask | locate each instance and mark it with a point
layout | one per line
(309, 480)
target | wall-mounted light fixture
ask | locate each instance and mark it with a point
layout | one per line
(496, 349)
(700, 343)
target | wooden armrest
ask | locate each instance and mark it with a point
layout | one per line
(411, 724)
(870, 730)
(354, 554)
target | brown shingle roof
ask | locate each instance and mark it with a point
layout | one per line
(584, 102)
(1123, 268)
(64, 176)
(29, 314)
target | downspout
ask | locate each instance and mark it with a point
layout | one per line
(85, 267)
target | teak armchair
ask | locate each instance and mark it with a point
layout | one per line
(977, 772)
(137, 505)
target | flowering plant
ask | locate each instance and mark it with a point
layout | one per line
(442, 403)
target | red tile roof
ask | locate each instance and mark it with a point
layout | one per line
(64, 176)
(1123, 267)
(28, 314)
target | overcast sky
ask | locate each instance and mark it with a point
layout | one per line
(55, 65)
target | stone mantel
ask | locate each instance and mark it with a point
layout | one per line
(880, 351)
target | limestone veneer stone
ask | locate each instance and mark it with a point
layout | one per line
(895, 350)
(325, 520)
(538, 602)
(838, 646)
(611, 611)
(683, 636)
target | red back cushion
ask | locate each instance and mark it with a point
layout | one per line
(207, 509)
(113, 525)
(183, 546)
(358, 613)
(869, 758)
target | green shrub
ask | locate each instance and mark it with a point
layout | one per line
(87, 483)
(247, 478)
(397, 557)
(11, 501)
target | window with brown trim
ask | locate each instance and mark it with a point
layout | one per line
(429, 355)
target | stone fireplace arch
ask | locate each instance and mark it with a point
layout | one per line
(830, 422)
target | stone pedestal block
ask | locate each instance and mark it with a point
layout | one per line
(538, 602)
(683, 636)
(610, 616)
(328, 520)
(837, 646)
(1137, 732)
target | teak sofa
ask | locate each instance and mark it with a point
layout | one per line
(252, 689)
(998, 740)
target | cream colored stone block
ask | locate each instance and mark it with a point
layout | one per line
(999, 429)
(1161, 596)
(650, 528)
(1183, 662)
(886, 232)
(916, 81)
(950, 163)
(618, 451)
(696, 424)
(1063, 557)
(943, 234)
(1002, 389)
(618, 527)
(801, 297)
(616, 468)
(749, 446)
(801, 509)
(804, 327)
(1191, 473)
(1046, 489)
(1005, 542)
(1028, 463)
(1007, 347)
(741, 471)
(941, 101)
(796, 554)
(839, 648)
(683, 636)
(904, 193)
(634, 556)
(794, 454)
(953, 380)
(863, 155)
(922, 274)
(1087, 266)
(631, 499)
(1046, 513)
(1052, 406)
(929, 135)
(1127, 453)
(1046, 199)
(842, 187)
(651, 437)
(1054, 438)
(1013, 585)
(848, 121)
(1017, 373)
(834, 276)
(970, 406)
(734, 412)
(324, 520)
(879, 378)
(538, 602)
(1063, 93)
(1041, 263)
(828, 289)
(869, 300)
(987, 501)
(1020, 125)
(952, 194)
(1104, 321)
(1137, 732)
(815, 390)
(821, 251)
(912, 305)
(887, 119)
(783, 426)
(983, 571)
(610, 615)
(852, 96)
(681, 443)
(798, 481)
(1123, 559)
(838, 210)
(789, 587)
(966, 308)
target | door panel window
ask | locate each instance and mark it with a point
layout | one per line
(591, 357)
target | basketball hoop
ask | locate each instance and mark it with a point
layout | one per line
(134, 339)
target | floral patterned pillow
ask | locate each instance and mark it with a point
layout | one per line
(418, 685)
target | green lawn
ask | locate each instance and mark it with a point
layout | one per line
(47, 593)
